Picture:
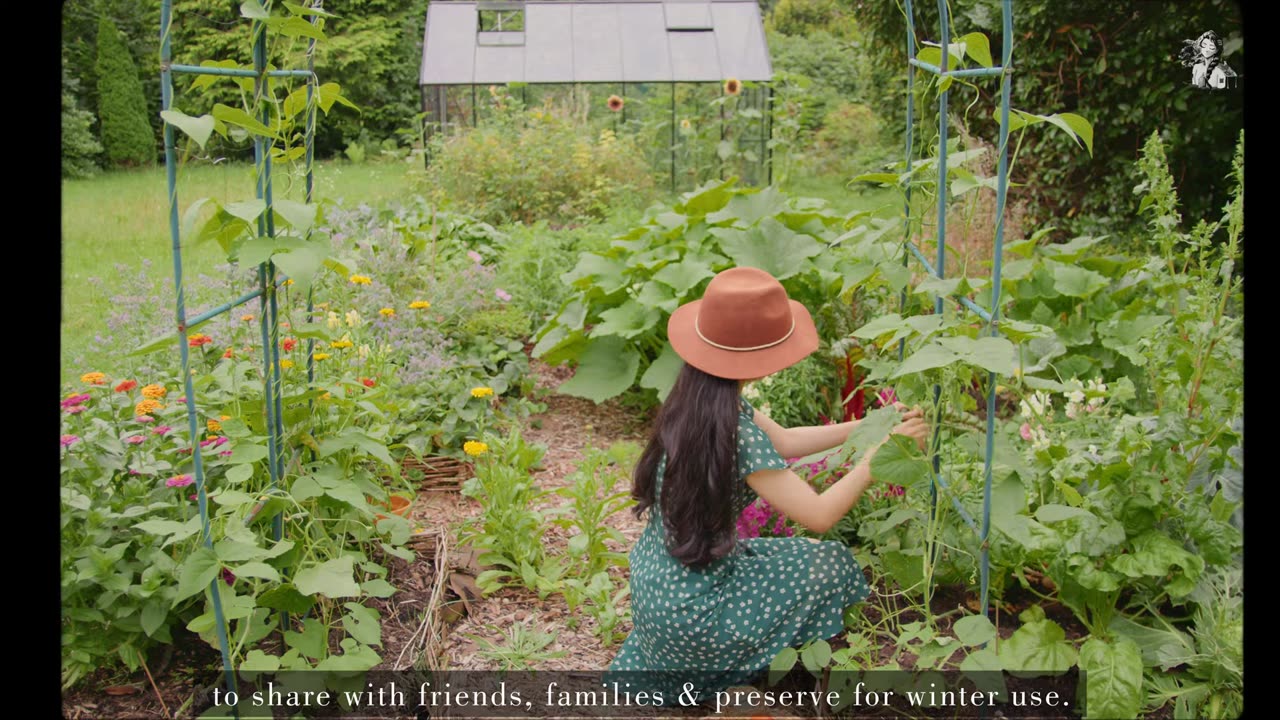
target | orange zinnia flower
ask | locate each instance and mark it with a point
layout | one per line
(127, 385)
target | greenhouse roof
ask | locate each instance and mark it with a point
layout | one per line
(558, 41)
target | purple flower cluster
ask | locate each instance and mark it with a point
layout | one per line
(755, 518)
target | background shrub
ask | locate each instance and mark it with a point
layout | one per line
(540, 165)
(126, 133)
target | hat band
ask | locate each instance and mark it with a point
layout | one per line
(712, 343)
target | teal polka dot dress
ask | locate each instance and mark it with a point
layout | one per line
(722, 625)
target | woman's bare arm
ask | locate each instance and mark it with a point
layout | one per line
(819, 512)
(809, 439)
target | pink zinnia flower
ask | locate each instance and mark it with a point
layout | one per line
(136, 439)
(179, 481)
(69, 440)
(76, 409)
(503, 295)
(145, 419)
(134, 472)
(1025, 432)
(475, 256)
(75, 400)
(162, 430)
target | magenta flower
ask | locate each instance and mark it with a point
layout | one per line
(222, 440)
(76, 409)
(136, 439)
(75, 400)
(1025, 432)
(225, 453)
(887, 397)
(227, 576)
(69, 440)
(134, 472)
(162, 430)
(179, 481)
(503, 295)
(475, 256)
(192, 497)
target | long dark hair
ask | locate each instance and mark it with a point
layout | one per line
(697, 428)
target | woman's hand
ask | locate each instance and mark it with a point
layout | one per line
(915, 428)
(913, 425)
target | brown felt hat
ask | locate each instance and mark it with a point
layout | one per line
(744, 327)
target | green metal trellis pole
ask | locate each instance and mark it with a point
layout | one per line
(268, 283)
(938, 269)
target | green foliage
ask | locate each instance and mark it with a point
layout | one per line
(1105, 61)
(523, 647)
(126, 133)
(849, 139)
(594, 497)
(800, 18)
(525, 167)
(79, 146)
(509, 528)
(625, 294)
(802, 394)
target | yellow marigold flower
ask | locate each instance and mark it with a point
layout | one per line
(387, 312)
(474, 448)
(247, 317)
(146, 407)
(479, 392)
(361, 279)
(732, 86)
(94, 378)
(340, 344)
(419, 305)
(321, 356)
(214, 426)
(286, 364)
(154, 392)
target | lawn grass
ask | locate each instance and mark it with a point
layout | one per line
(113, 222)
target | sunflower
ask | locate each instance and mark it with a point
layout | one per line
(733, 86)
(615, 103)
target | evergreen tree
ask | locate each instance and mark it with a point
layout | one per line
(122, 112)
(79, 146)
